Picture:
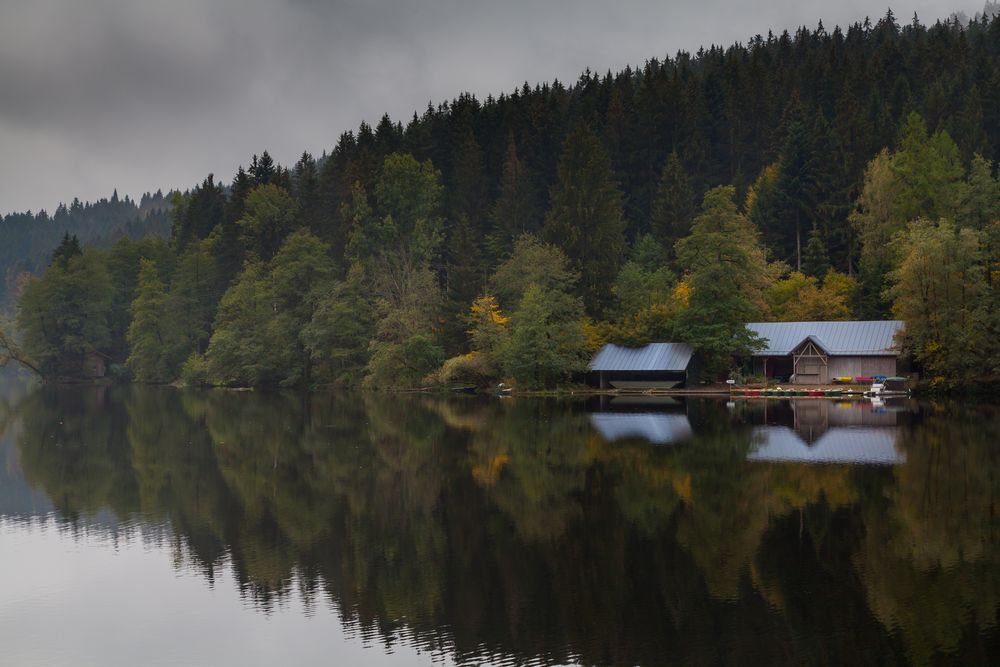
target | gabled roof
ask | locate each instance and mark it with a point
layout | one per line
(836, 338)
(652, 357)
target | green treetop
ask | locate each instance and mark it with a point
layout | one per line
(727, 273)
(152, 334)
(585, 218)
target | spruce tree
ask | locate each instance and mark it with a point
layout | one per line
(67, 250)
(305, 189)
(585, 217)
(516, 209)
(262, 169)
(465, 281)
(815, 260)
(673, 207)
(197, 213)
(465, 196)
(226, 246)
(796, 189)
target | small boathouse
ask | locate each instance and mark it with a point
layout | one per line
(653, 366)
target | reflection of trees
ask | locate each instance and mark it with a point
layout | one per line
(930, 560)
(73, 445)
(177, 474)
(531, 459)
(517, 528)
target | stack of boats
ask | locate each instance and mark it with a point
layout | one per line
(780, 391)
(880, 386)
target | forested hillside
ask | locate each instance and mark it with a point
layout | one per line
(804, 176)
(27, 240)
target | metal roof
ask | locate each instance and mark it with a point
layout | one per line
(836, 338)
(652, 357)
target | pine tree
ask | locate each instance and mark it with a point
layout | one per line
(196, 214)
(585, 217)
(465, 282)
(305, 189)
(796, 189)
(263, 170)
(226, 246)
(465, 196)
(67, 250)
(516, 209)
(673, 207)
(970, 126)
(815, 260)
(337, 176)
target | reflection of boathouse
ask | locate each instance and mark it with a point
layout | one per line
(818, 352)
(657, 428)
(660, 420)
(653, 366)
(825, 432)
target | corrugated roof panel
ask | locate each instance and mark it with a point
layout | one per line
(840, 338)
(652, 357)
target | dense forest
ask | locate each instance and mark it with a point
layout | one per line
(27, 240)
(816, 175)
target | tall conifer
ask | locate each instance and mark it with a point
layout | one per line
(585, 218)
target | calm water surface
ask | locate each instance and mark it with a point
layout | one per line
(147, 526)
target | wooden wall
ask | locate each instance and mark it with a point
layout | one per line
(868, 366)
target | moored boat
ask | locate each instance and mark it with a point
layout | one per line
(890, 386)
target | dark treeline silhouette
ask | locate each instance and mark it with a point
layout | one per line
(27, 240)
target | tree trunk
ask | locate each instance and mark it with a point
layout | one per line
(798, 244)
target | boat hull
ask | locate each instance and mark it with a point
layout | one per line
(640, 384)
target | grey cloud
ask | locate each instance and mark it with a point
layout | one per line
(98, 94)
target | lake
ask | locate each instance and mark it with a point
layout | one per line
(155, 526)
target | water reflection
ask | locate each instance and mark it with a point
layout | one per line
(824, 431)
(551, 532)
(660, 420)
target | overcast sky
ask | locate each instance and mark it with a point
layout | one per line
(144, 94)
